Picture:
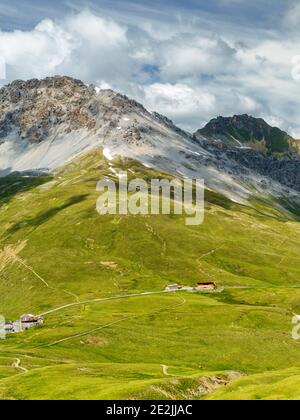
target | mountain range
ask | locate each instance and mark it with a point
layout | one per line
(46, 123)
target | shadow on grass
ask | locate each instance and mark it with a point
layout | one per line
(220, 200)
(12, 185)
(45, 216)
(292, 206)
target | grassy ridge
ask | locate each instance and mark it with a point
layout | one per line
(55, 250)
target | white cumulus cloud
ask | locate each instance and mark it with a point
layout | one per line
(194, 56)
(180, 102)
(82, 45)
(178, 68)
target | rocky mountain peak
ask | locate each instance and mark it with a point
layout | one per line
(36, 109)
(31, 109)
(247, 131)
(44, 123)
(56, 87)
(253, 144)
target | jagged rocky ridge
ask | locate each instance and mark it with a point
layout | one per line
(46, 123)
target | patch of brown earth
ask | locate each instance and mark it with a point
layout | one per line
(96, 341)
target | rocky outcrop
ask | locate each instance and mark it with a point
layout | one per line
(38, 108)
(34, 108)
(284, 169)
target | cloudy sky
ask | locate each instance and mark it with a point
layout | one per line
(190, 60)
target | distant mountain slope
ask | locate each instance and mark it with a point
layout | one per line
(245, 130)
(254, 145)
(44, 124)
(284, 169)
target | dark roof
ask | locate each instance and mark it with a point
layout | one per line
(206, 283)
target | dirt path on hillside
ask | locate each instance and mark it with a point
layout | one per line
(202, 257)
(210, 252)
(165, 370)
(86, 302)
(10, 254)
(297, 286)
(17, 365)
(21, 261)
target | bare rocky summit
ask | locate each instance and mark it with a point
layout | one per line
(34, 109)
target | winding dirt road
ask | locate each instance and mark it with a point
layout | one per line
(86, 302)
(17, 365)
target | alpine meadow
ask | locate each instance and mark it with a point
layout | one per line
(187, 287)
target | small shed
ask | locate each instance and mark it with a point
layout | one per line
(173, 287)
(206, 286)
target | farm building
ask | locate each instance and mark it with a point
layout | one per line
(28, 318)
(206, 286)
(9, 327)
(24, 323)
(17, 326)
(30, 321)
(13, 327)
(173, 287)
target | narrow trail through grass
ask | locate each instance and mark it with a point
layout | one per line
(17, 365)
(169, 308)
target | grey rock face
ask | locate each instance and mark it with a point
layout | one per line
(284, 169)
(33, 108)
(38, 108)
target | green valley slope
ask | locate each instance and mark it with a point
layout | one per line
(56, 250)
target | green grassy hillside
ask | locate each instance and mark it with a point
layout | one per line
(56, 250)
